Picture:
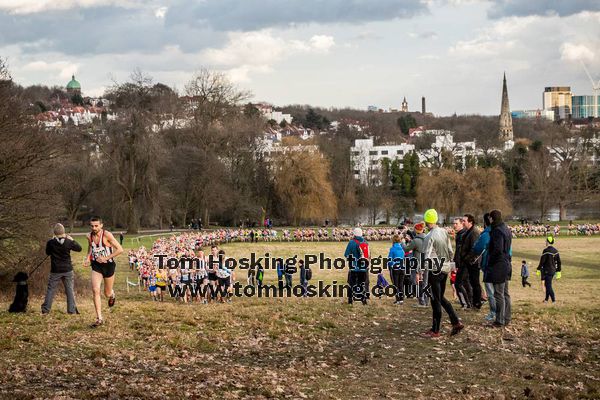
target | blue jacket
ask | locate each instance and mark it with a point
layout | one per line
(396, 256)
(353, 249)
(481, 246)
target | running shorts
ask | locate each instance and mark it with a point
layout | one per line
(106, 269)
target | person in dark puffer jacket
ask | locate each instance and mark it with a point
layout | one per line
(500, 268)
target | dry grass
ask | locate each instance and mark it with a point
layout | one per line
(311, 348)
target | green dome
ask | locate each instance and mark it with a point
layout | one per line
(73, 84)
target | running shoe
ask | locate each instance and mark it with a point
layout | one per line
(111, 300)
(431, 334)
(96, 324)
(456, 329)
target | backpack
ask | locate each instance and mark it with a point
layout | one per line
(363, 248)
(308, 274)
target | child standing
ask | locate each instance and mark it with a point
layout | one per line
(525, 274)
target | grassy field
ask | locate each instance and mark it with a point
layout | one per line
(311, 348)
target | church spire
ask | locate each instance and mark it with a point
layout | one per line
(506, 128)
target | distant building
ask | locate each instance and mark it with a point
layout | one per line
(366, 158)
(585, 106)
(272, 150)
(267, 111)
(461, 151)
(404, 105)
(536, 114)
(559, 100)
(73, 87)
(423, 109)
(372, 108)
(416, 132)
(506, 128)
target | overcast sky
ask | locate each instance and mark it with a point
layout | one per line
(320, 52)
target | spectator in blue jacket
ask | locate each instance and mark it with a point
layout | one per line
(396, 267)
(280, 273)
(358, 275)
(480, 249)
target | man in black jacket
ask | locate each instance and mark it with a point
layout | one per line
(61, 269)
(550, 266)
(463, 287)
(467, 259)
(499, 265)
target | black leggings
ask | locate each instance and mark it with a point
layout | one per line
(438, 287)
(549, 290)
(398, 282)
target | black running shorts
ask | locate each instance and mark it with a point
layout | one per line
(106, 269)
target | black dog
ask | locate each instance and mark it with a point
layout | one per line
(22, 294)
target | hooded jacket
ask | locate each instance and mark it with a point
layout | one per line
(499, 267)
(353, 249)
(550, 261)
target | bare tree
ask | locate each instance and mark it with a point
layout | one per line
(539, 188)
(81, 177)
(571, 174)
(132, 147)
(477, 190)
(26, 179)
(212, 96)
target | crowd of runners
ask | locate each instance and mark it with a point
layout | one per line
(227, 235)
(337, 234)
(204, 281)
(540, 230)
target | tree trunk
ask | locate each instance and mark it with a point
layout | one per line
(562, 216)
(132, 223)
(72, 218)
(542, 210)
(185, 218)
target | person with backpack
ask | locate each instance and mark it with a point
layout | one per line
(416, 247)
(396, 267)
(438, 249)
(549, 267)
(357, 253)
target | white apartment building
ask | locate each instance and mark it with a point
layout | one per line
(267, 111)
(366, 157)
(444, 141)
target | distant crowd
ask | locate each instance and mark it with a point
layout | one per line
(540, 230)
(372, 234)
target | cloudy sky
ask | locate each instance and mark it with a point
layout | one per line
(321, 52)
